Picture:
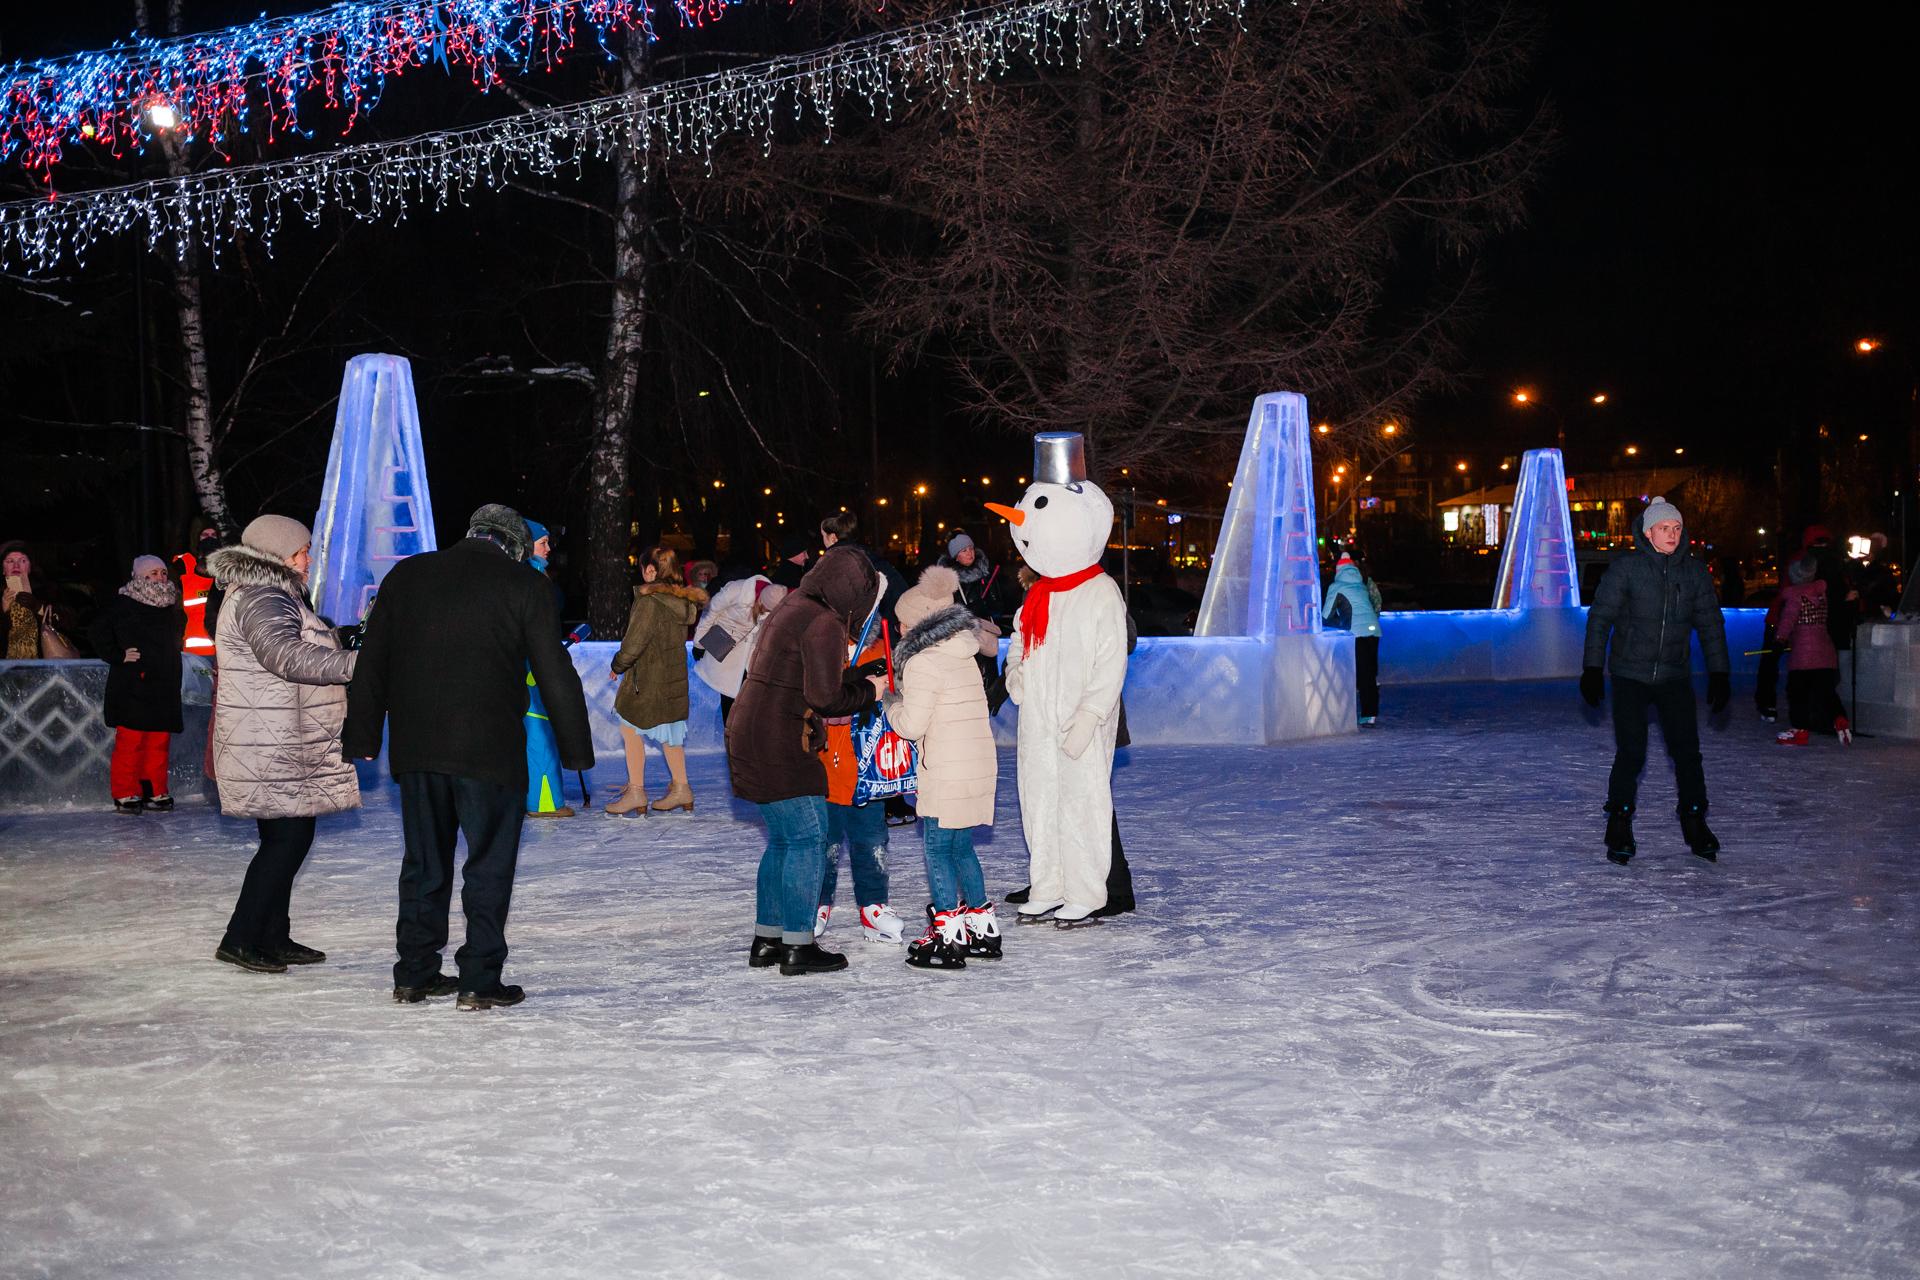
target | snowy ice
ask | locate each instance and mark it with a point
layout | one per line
(1385, 1011)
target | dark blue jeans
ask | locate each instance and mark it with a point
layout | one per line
(953, 870)
(787, 890)
(863, 828)
(436, 809)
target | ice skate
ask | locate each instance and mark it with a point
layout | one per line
(1075, 915)
(129, 805)
(764, 953)
(1843, 730)
(1693, 825)
(164, 804)
(564, 811)
(630, 800)
(500, 996)
(1035, 911)
(440, 985)
(983, 933)
(943, 945)
(1620, 846)
(821, 918)
(679, 796)
(878, 923)
(808, 958)
(1793, 738)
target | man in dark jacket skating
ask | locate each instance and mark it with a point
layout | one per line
(444, 659)
(1649, 604)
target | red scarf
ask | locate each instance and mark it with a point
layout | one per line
(1033, 613)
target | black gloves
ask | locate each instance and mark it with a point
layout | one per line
(351, 635)
(1719, 691)
(1593, 686)
(872, 667)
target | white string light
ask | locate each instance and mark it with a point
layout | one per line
(385, 181)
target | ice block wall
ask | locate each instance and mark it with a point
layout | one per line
(375, 509)
(1537, 569)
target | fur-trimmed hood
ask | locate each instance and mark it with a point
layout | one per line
(684, 603)
(242, 566)
(931, 630)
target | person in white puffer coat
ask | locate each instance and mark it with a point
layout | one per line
(731, 610)
(281, 702)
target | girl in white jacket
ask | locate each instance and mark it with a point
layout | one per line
(942, 706)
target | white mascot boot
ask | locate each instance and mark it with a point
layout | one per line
(1065, 666)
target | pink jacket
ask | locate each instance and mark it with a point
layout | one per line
(1803, 627)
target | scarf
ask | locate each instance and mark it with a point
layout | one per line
(161, 595)
(1033, 612)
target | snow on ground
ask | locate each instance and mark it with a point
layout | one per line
(1385, 1012)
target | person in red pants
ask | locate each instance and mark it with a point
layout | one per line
(140, 635)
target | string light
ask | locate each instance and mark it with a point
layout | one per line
(382, 182)
(339, 58)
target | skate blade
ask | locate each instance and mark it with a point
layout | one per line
(1084, 922)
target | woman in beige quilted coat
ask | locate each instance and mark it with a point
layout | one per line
(942, 706)
(652, 669)
(281, 701)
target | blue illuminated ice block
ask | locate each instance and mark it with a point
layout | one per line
(1537, 565)
(1266, 568)
(374, 510)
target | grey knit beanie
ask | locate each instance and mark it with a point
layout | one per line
(958, 543)
(278, 536)
(1657, 510)
(504, 524)
(142, 564)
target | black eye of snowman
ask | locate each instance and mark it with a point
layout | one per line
(1040, 502)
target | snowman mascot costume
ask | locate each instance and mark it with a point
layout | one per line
(1065, 666)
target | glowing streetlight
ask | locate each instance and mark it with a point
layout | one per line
(1523, 396)
(1341, 469)
(1679, 452)
(162, 116)
(1324, 428)
(767, 493)
(986, 479)
(919, 491)
(881, 502)
(1459, 466)
(1867, 346)
(1863, 437)
(1599, 397)
(1632, 449)
(1391, 429)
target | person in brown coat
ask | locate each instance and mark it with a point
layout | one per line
(653, 694)
(798, 676)
(942, 706)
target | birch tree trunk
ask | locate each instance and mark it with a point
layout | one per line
(609, 504)
(184, 292)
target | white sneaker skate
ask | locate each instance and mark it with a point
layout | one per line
(820, 919)
(1075, 915)
(1035, 910)
(878, 923)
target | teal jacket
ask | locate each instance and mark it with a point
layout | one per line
(1360, 598)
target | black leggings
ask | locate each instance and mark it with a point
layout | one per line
(260, 916)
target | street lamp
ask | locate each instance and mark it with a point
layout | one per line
(1867, 346)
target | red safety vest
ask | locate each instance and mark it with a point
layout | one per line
(193, 598)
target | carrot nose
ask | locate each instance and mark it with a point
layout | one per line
(1012, 515)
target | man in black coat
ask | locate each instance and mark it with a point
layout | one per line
(444, 659)
(1649, 604)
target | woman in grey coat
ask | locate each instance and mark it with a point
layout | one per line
(276, 731)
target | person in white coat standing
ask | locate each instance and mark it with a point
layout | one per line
(1065, 668)
(721, 634)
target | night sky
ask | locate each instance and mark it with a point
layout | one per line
(1730, 206)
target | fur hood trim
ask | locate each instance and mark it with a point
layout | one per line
(949, 622)
(242, 566)
(694, 594)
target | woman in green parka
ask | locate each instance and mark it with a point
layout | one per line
(652, 669)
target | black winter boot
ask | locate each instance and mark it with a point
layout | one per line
(1693, 825)
(764, 953)
(1620, 846)
(809, 958)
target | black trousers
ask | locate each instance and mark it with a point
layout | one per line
(260, 916)
(1766, 681)
(1813, 699)
(1366, 673)
(1119, 876)
(435, 808)
(1672, 701)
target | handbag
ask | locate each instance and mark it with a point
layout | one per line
(53, 645)
(884, 762)
(717, 642)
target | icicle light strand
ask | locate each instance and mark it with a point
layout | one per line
(339, 58)
(940, 60)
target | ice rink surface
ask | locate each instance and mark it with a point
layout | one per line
(1385, 1011)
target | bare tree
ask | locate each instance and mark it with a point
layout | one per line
(1136, 246)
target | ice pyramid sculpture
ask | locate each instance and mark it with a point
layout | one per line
(1266, 567)
(375, 510)
(1537, 566)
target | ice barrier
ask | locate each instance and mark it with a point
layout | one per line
(375, 509)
